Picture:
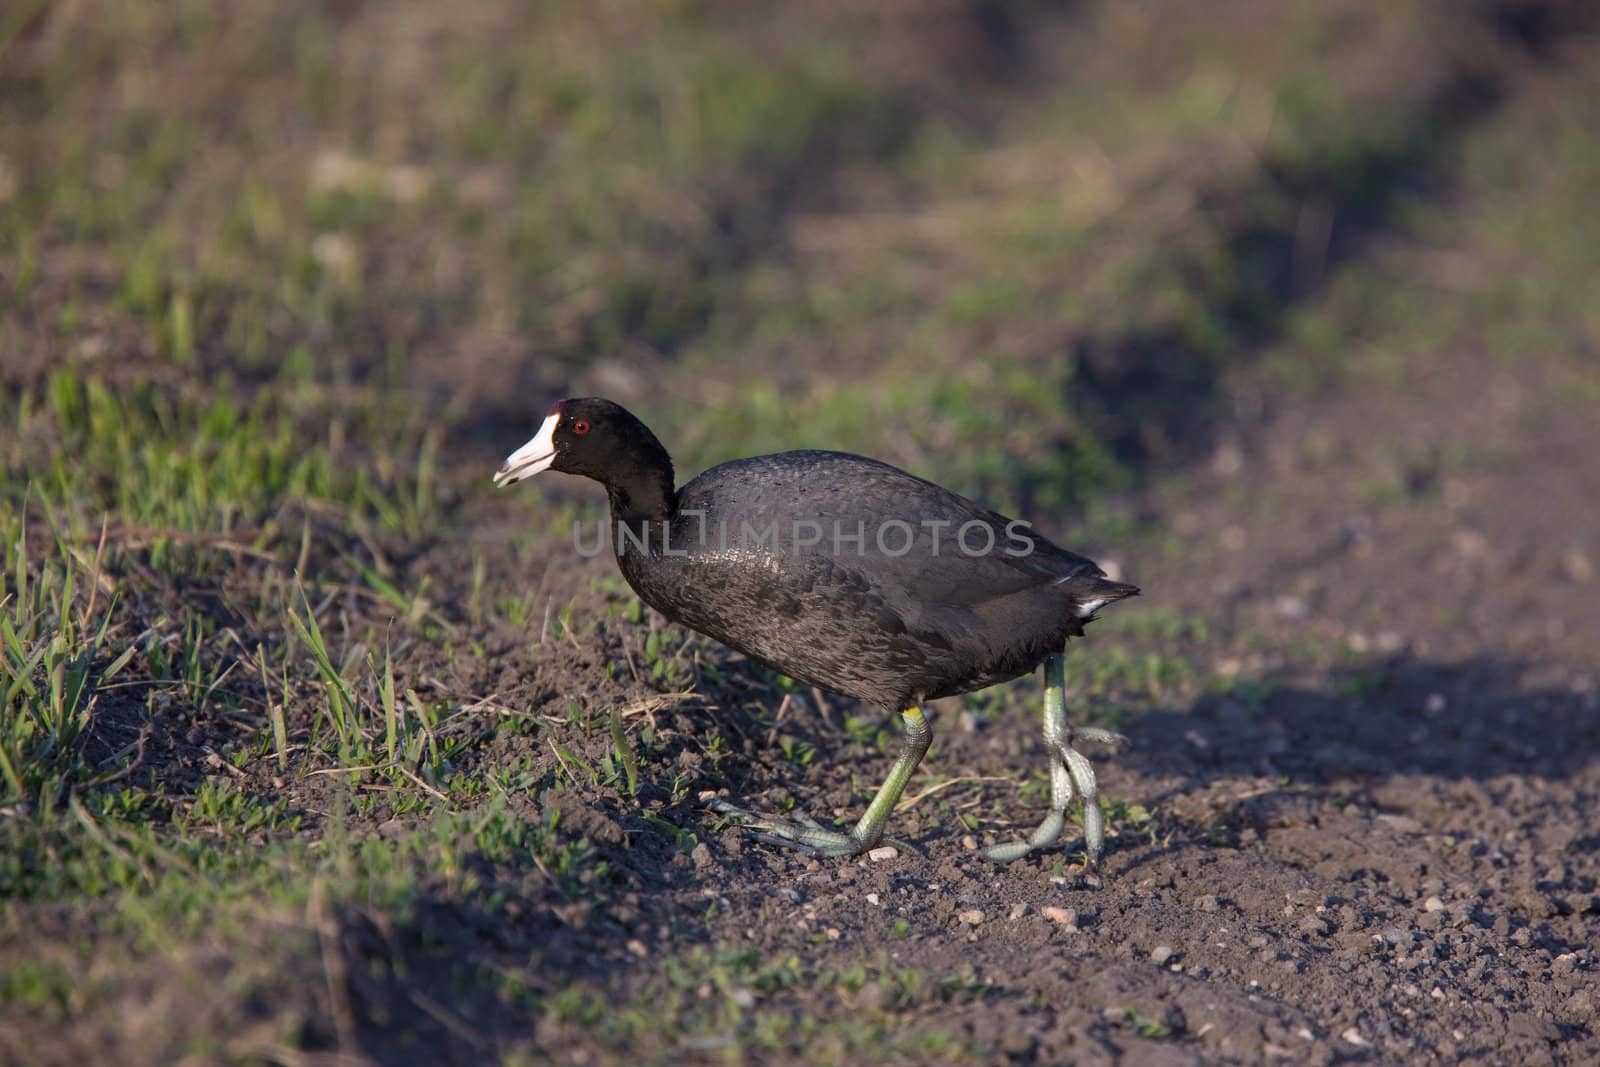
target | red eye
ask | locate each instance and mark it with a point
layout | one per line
(580, 427)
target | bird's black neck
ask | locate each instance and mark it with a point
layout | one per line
(644, 492)
(633, 465)
(642, 501)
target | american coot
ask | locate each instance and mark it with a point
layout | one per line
(850, 575)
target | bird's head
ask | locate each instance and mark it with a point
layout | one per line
(591, 437)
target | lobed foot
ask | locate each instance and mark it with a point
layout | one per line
(811, 837)
(800, 832)
(1071, 777)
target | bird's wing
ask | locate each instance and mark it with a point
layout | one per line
(915, 544)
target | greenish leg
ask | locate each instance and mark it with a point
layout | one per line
(1071, 775)
(809, 836)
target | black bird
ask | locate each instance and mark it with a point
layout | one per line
(848, 574)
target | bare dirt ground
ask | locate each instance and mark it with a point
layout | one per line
(1357, 819)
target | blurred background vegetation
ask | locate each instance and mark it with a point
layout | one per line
(901, 228)
(281, 282)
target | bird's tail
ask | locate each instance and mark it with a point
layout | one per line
(1090, 596)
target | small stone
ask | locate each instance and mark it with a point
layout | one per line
(833, 933)
(1435, 704)
(1403, 824)
(1398, 936)
(636, 947)
(1312, 926)
(872, 898)
(1206, 903)
(971, 917)
(969, 842)
(701, 855)
(1226, 460)
(1533, 904)
(1019, 910)
(1290, 607)
(1161, 955)
(1579, 567)
(1470, 543)
(1057, 914)
(743, 998)
(1433, 904)
(1352, 1036)
(874, 997)
(1436, 993)
(883, 852)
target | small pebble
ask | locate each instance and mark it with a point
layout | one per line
(1019, 910)
(872, 898)
(1398, 936)
(972, 917)
(1579, 567)
(1533, 903)
(1290, 607)
(1353, 1036)
(1433, 904)
(874, 997)
(969, 842)
(1057, 914)
(883, 852)
(1161, 955)
(1403, 824)
(1206, 903)
(636, 947)
(833, 933)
